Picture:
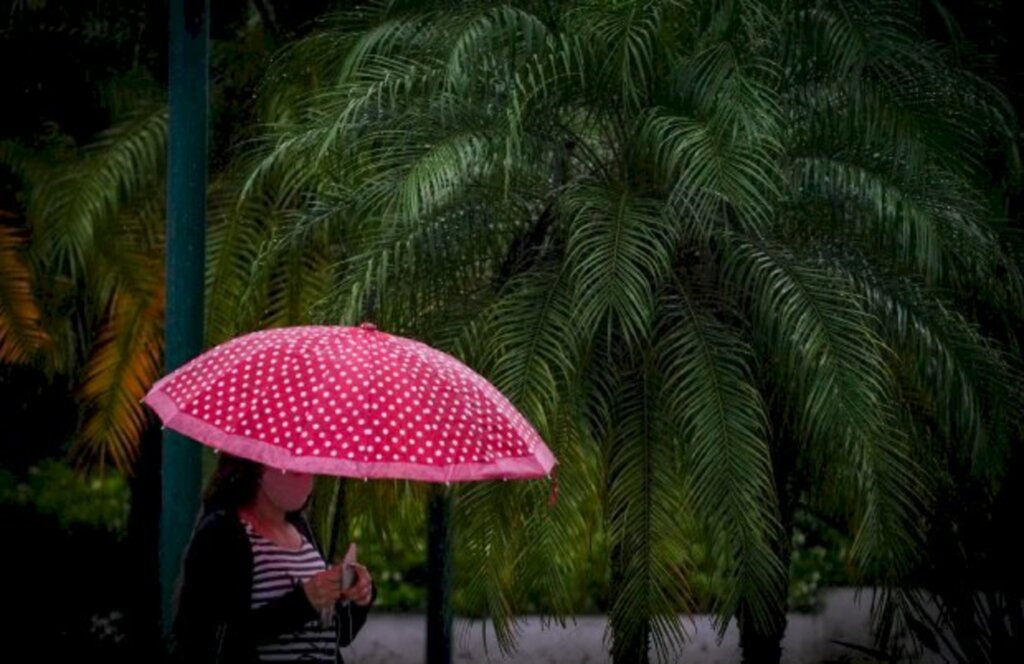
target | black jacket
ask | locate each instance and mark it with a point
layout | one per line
(215, 622)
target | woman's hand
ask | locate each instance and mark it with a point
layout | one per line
(360, 592)
(323, 589)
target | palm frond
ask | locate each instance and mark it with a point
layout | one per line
(532, 346)
(485, 527)
(832, 367)
(618, 248)
(235, 236)
(558, 574)
(124, 162)
(723, 423)
(28, 164)
(706, 173)
(296, 275)
(511, 543)
(494, 40)
(628, 37)
(644, 500)
(398, 270)
(444, 171)
(973, 387)
(20, 332)
(126, 251)
(125, 362)
(848, 38)
(934, 226)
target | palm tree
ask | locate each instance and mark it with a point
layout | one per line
(94, 253)
(81, 294)
(723, 254)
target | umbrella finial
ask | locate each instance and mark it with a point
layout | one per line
(367, 326)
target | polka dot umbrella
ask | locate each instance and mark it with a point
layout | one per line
(350, 401)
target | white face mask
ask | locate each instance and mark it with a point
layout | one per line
(287, 491)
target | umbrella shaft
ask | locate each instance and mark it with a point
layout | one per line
(339, 519)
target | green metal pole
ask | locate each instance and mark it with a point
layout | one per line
(188, 96)
(439, 584)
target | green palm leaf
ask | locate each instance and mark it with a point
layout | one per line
(644, 500)
(618, 248)
(832, 366)
(723, 423)
(125, 162)
(533, 348)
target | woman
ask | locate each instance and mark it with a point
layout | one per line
(255, 587)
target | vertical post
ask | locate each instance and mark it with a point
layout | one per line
(188, 97)
(439, 584)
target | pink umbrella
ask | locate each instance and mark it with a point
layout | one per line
(350, 401)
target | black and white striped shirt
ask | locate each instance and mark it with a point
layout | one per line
(276, 570)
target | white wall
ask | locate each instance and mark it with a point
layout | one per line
(400, 638)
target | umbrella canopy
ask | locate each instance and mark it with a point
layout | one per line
(353, 402)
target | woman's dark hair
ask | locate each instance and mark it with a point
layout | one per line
(234, 484)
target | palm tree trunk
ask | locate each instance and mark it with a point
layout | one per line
(629, 644)
(762, 644)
